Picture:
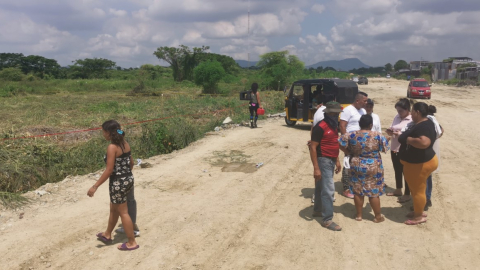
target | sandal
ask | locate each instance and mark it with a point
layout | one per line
(415, 222)
(102, 238)
(411, 214)
(358, 218)
(382, 219)
(393, 194)
(125, 248)
(331, 226)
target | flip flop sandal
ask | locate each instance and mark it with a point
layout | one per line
(393, 194)
(125, 248)
(332, 226)
(411, 215)
(414, 222)
(358, 219)
(382, 219)
(102, 238)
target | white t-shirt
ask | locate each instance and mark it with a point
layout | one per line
(352, 116)
(376, 123)
(318, 115)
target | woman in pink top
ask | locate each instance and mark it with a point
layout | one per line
(400, 121)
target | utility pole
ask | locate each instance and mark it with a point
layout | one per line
(248, 34)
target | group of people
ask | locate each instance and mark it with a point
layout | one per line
(412, 139)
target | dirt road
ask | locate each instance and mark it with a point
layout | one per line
(208, 207)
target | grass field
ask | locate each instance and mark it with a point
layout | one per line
(42, 107)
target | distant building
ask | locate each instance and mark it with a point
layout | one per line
(447, 70)
(419, 65)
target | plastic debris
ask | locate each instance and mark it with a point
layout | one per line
(218, 129)
(139, 161)
(227, 120)
(259, 165)
(40, 192)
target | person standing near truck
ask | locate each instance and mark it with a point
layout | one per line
(254, 105)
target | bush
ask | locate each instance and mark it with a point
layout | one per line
(207, 75)
(11, 74)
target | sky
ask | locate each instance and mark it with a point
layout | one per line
(129, 31)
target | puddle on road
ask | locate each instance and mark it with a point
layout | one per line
(239, 167)
(232, 161)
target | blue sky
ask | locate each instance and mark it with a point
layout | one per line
(128, 31)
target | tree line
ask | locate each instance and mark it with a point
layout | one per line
(274, 69)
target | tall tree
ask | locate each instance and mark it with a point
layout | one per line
(400, 64)
(227, 62)
(91, 68)
(182, 60)
(40, 66)
(8, 60)
(388, 67)
(279, 68)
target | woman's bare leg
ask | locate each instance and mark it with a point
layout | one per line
(358, 200)
(127, 224)
(112, 221)
(375, 204)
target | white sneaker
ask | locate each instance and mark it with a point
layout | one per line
(313, 198)
(121, 230)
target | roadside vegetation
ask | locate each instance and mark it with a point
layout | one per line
(192, 96)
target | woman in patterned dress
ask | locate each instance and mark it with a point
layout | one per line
(366, 168)
(119, 170)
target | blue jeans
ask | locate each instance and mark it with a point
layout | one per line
(324, 189)
(429, 187)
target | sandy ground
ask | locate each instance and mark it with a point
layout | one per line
(207, 207)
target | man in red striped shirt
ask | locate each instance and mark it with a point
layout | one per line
(324, 150)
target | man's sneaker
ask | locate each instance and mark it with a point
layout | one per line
(121, 230)
(347, 194)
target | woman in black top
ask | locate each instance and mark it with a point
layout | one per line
(418, 159)
(119, 164)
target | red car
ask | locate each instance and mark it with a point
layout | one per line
(419, 88)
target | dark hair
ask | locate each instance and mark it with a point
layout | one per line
(365, 121)
(254, 87)
(360, 95)
(432, 110)
(422, 108)
(403, 103)
(115, 131)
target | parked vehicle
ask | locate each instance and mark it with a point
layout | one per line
(304, 95)
(388, 76)
(419, 88)
(362, 80)
(355, 79)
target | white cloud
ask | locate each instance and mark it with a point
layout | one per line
(194, 37)
(317, 40)
(318, 8)
(98, 12)
(117, 12)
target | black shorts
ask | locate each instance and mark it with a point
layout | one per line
(119, 187)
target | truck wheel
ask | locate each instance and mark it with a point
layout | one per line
(290, 122)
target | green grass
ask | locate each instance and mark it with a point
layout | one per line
(39, 107)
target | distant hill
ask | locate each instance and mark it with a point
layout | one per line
(245, 63)
(344, 65)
